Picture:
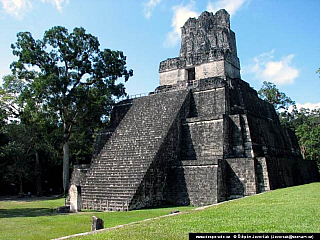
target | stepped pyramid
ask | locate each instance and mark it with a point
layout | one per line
(203, 136)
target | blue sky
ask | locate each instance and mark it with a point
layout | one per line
(277, 41)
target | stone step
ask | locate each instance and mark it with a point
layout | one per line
(127, 176)
(117, 175)
(104, 161)
(117, 181)
(96, 198)
(119, 167)
(96, 194)
(106, 201)
(110, 206)
(112, 172)
(144, 153)
(110, 188)
(114, 183)
(124, 178)
(118, 170)
(107, 188)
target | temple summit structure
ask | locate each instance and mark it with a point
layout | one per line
(203, 136)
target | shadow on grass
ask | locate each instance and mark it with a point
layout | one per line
(27, 212)
(30, 199)
(164, 206)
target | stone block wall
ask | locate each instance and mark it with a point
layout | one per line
(244, 99)
(210, 69)
(222, 184)
(173, 76)
(79, 173)
(271, 139)
(155, 188)
(195, 177)
(241, 177)
(262, 175)
(201, 184)
(235, 135)
(211, 102)
(117, 114)
(286, 172)
(177, 192)
(202, 139)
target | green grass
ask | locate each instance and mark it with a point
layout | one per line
(295, 209)
(38, 219)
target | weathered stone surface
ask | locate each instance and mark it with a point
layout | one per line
(97, 223)
(241, 177)
(208, 49)
(78, 174)
(207, 38)
(75, 198)
(196, 141)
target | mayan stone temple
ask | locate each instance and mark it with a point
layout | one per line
(203, 136)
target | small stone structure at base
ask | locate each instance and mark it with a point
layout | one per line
(203, 136)
(97, 223)
(74, 198)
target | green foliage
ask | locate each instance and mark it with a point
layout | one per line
(306, 124)
(28, 132)
(16, 154)
(308, 133)
(74, 77)
(68, 82)
(270, 93)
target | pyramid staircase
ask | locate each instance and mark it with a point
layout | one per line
(117, 172)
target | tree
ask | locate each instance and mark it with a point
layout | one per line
(24, 113)
(270, 93)
(308, 133)
(68, 75)
(17, 152)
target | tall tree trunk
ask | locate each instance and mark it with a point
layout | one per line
(66, 152)
(21, 190)
(38, 174)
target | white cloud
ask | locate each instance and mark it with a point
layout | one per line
(149, 6)
(180, 15)
(230, 5)
(56, 3)
(266, 69)
(309, 105)
(16, 8)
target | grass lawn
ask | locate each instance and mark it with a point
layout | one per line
(37, 219)
(295, 209)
